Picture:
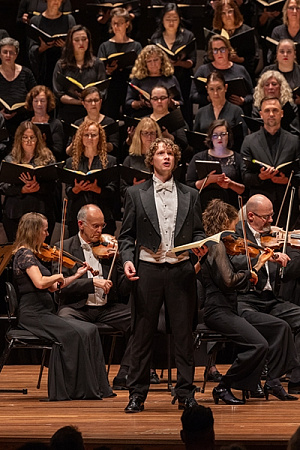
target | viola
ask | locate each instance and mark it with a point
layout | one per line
(106, 247)
(49, 254)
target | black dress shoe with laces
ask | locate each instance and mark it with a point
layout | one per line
(214, 376)
(224, 394)
(187, 403)
(279, 392)
(135, 405)
(258, 393)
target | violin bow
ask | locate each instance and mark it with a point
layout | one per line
(244, 233)
(284, 197)
(287, 228)
(62, 234)
(111, 269)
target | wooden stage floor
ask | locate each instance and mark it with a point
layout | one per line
(259, 424)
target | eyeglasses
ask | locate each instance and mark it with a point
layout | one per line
(90, 135)
(96, 225)
(264, 217)
(228, 13)
(293, 8)
(29, 138)
(221, 50)
(92, 100)
(160, 99)
(118, 24)
(148, 133)
(220, 135)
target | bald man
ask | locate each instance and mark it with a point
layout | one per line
(264, 298)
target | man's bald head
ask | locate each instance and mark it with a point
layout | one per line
(260, 213)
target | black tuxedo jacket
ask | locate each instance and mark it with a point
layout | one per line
(77, 292)
(140, 223)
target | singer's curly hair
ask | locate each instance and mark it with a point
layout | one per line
(78, 147)
(154, 147)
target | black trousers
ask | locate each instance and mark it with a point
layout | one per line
(116, 315)
(174, 284)
(264, 338)
(260, 312)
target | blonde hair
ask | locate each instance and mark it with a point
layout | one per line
(28, 231)
(285, 90)
(42, 155)
(140, 70)
(78, 147)
(217, 216)
(292, 44)
(284, 11)
(145, 124)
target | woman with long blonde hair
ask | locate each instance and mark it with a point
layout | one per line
(90, 153)
(151, 67)
(28, 195)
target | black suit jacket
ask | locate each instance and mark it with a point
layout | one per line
(140, 223)
(77, 292)
(255, 147)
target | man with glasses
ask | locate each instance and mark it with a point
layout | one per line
(271, 147)
(260, 303)
(95, 298)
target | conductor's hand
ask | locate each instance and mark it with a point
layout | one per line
(103, 284)
(130, 271)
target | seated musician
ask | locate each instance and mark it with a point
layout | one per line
(256, 341)
(95, 298)
(265, 299)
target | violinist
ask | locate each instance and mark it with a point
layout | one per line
(96, 299)
(264, 302)
(255, 343)
(77, 366)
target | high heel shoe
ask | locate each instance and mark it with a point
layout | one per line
(227, 396)
(279, 392)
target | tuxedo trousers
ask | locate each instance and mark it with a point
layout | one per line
(174, 285)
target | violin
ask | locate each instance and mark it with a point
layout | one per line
(49, 254)
(276, 239)
(236, 246)
(106, 247)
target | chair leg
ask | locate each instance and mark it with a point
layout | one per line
(41, 368)
(210, 362)
(3, 360)
(111, 353)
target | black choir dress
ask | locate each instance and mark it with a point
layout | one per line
(77, 367)
(117, 89)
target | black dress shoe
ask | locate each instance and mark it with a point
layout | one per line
(279, 392)
(214, 376)
(154, 378)
(293, 388)
(135, 405)
(187, 403)
(119, 383)
(258, 393)
(227, 396)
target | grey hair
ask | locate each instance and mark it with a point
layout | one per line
(10, 41)
(83, 212)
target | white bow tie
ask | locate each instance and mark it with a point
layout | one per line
(168, 186)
